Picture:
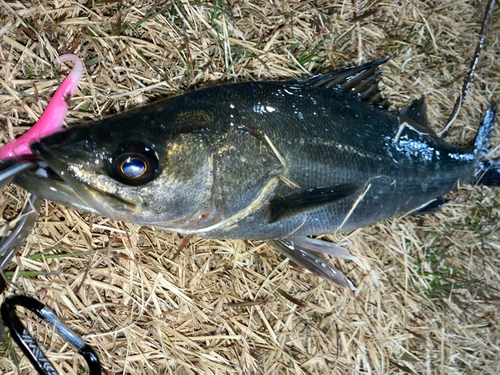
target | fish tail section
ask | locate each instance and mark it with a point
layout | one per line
(488, 172)
(484, 133)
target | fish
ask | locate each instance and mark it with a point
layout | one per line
(271, 161)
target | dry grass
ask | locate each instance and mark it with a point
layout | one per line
(428, 287)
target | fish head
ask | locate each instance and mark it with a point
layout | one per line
(181, 178)
(125, 173)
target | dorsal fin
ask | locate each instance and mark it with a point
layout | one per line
(361, 81)
(417, 111)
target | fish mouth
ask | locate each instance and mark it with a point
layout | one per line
(53, 180)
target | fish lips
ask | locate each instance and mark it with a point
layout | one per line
(71, 190)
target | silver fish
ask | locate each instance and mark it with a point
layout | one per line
(274, 161)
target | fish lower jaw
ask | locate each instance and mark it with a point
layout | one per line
(48, 184)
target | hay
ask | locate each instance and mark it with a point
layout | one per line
(428, 287)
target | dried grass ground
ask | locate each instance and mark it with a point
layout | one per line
(428, 287)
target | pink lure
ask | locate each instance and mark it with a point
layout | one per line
(52, 118)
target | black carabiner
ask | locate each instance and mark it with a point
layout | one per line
(29, 346)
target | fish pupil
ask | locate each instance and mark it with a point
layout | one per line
(133, 167)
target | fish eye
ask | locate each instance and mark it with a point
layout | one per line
(134, 168)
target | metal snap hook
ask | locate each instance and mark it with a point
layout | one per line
(29, 346)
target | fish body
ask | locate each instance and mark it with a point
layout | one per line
(258, 160)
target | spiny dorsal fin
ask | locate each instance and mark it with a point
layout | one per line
(417, 111)
(359, 81)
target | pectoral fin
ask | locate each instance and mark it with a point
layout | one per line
(303, 201)
(294, 249)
